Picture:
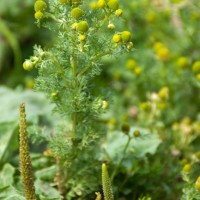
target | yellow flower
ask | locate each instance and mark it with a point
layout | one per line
(157, 46)
(164, 93)
(137, 70)
(101, 4)
(77, 13)
(196, 67)
(131, 64)
(116, 38)
(93, 5)
(126, 36)
(163, 53)
(113, 4)
(63, 1)
(40, 5)
(81, 37)
(151, 17)
(83, 26)
(182, 62)
(38, 15)
(187, 168)
(119, 12)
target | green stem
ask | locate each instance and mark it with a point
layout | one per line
(73, 61)
(98, 56)
(122, 159)
(49, 15)
(13, 43)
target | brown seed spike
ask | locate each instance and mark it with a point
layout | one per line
(25, 161)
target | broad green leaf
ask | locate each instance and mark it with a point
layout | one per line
(10, 193)
(36, 104)
(8, 139)
(138, 147)
(6, 175)
(46, 191)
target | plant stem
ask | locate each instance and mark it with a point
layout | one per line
(122, 159)
(73, 61)
(12, 42)
(57, 64)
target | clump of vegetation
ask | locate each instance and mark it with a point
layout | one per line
(100, 99)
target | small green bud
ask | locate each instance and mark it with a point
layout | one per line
(125, 128)
(187, 168)
(196, 67)
(83, 26)
(40, 5)
(105, 104)
(136, 133)
(111, 26)
(76, 13)
(113, 4)
(38, 15)
(130, 46)
(197, 184)
(27, 65)
(126, 36)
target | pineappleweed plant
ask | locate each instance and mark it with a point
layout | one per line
(84, 33)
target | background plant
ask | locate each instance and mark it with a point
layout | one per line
(154, 90)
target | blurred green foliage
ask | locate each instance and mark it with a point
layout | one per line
(155, 89)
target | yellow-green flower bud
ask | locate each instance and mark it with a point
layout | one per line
(137, 70)
(74, 25)
(83, 26)
(125, 128)
(81, 37)
(164, 93)
(131, 64)
(63, 1)
(119, 12)
(130, 46)
(93, 5)
(27, 65)
(116, 38)
(136, 133)
(126, 36)
(111, 26)
(196, 67)
(40, 5)
(77, 13)
(182, 62)
(197, 185)
(105, 104)
(101, 4)
(38, 15)
(187, 168)
(113, 4)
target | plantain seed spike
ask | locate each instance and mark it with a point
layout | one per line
(25, 161)
(107, 188)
